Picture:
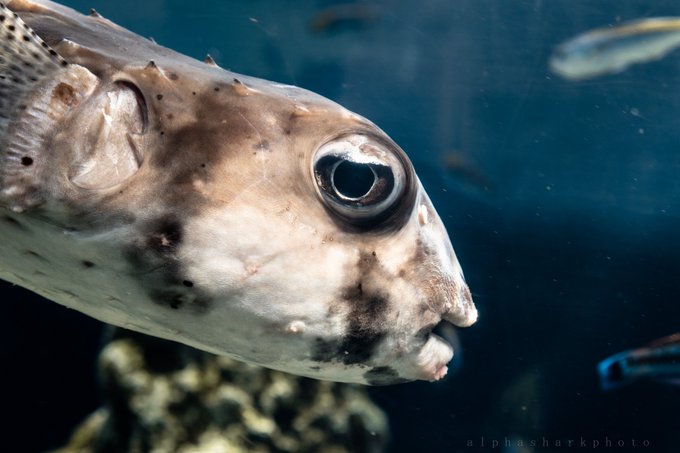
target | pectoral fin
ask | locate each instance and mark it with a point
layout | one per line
(38, 89)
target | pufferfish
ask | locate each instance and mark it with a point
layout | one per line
(239, 216)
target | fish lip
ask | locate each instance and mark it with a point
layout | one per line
(432, 359)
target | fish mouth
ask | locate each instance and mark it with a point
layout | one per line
(433, 358)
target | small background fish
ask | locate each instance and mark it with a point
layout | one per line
(658, 361)
(573, 256)
(609, 50)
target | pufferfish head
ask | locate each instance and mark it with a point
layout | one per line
(240, 216)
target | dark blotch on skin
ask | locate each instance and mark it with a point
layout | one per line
(366, 329)
(325, 350)
(153, 261)
(87, 264)
(165, 236)
(173, 76)
(26, 161)
(366, 320)
(383, 375)
(202, 142)
(65, 93)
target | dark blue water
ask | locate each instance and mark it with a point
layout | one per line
(562, 200)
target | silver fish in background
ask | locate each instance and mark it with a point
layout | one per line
(659, 361)
(239, 216)
(611, 50)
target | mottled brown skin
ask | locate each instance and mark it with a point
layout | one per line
(219, 237)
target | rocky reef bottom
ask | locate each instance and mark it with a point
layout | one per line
(164, 397)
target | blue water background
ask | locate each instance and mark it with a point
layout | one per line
(563, 207)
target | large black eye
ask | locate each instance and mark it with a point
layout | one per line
(359, 178)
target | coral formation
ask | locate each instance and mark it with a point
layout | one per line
(165, 397)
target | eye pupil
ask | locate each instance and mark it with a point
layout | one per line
(352, 180)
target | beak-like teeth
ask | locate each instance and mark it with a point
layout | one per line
(462, 312)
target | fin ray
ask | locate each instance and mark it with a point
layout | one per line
(25, 60)
(38, 89)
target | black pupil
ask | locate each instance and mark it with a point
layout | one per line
(352, 180)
